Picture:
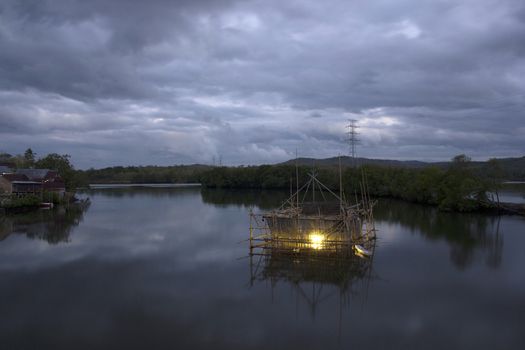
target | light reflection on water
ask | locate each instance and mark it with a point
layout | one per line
(163, 268)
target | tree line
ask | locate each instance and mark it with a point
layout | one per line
(457, 188)
(146, 174)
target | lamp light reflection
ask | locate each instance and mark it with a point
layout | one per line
(316, 240)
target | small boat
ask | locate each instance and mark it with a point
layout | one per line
(46, 205)
(362, 250)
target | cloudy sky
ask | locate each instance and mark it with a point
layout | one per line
(135, 82)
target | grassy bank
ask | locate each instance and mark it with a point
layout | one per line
(12, 204)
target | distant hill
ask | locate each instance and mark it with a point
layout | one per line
(512, 168)
(145, 174)
(348, 161)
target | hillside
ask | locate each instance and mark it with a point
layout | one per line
(513, 169)
(347, 161)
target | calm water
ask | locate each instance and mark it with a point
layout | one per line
(512, 193)
(149, 268)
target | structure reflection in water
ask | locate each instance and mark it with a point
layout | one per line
(316, 276)
(54, 226)
(321, 248)
(317, 267)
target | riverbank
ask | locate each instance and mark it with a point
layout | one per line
(510, 208)
(15, 204)
(149, 185)
(11, 204)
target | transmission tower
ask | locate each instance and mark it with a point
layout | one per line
(352, 138)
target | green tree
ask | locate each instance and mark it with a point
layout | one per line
(4, 157)
(460, 190)
(461, 161)
(29, 158)
(60, 163)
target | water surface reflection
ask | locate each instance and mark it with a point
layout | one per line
(163, 269)
(466, 234)
(51, 225)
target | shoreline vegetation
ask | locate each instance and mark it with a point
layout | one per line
(457, 188)
(459, 185)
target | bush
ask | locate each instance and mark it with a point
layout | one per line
(19, 202)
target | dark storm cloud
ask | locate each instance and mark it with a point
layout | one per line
(88, 49)
(251, 81)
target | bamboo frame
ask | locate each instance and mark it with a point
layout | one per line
(291, 227)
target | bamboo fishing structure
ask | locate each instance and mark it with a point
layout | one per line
(313, 243)
(330, 227)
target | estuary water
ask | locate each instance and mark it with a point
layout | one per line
(168, 268)
(513, 192)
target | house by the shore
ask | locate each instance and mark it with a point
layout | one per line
(19, 184)
(32, 181)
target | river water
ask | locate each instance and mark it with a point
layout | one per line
(168, 268)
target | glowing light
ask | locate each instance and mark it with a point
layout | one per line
(316, 240)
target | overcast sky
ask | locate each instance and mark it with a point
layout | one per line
(136, 82)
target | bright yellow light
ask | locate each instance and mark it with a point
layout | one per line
(316, 240)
